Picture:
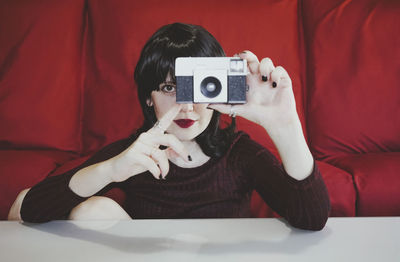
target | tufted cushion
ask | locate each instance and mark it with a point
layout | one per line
(377, 181)
(353, 70)
(41, 74)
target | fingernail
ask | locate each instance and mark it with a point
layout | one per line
(264, 78)
(160, 177)
(189, 158)
(243, 52)
(274, 84)
(209, 108)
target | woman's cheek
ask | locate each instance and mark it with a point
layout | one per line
(206, 115)
(162, 105)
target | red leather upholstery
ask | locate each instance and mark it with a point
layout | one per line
(66, 84)
(353, 109)
(41, 75)
(353, 74)
(376, 177)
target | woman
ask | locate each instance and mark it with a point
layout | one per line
(181, 164)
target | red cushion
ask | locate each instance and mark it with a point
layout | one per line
(118, 32)
(341, 192)
(40, 74)
(353, 76)
(376, 176)
(22, 169)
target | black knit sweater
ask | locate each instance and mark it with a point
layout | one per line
(220, 188)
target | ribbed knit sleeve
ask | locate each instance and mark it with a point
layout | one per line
(303, 203)
(52, 198)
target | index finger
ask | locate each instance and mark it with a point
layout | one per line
(165, 121)
(252, 60)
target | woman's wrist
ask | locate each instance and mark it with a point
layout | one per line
(89, 180)
(292, 147)
(283, 124)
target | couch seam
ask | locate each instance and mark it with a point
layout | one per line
(303, 64)
(83, 75)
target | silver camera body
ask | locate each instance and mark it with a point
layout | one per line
(211, 80)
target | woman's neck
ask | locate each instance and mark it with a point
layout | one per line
(197, 155)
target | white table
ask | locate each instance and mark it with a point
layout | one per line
(245, 240)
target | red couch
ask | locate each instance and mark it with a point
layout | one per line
(66, 84)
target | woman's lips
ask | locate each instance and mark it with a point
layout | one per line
(184, 123)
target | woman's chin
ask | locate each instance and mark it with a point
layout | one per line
(186, 137)
(183, 134)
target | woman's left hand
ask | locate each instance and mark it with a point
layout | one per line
(270, 98)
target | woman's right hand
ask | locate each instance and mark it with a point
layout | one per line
(144, 154)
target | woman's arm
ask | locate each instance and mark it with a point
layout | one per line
(271, 104)
(293, 149)
(295, 190)
(304, 204)
(303, 200)
(55, 197)
(91, 179)
(96, 170)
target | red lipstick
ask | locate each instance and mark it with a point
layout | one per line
(184, 123)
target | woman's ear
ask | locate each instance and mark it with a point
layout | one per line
(149, 102)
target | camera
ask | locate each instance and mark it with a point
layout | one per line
(211, 80)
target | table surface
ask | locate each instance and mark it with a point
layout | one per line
(342, 239)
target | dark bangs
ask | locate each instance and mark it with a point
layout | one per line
(169, 42)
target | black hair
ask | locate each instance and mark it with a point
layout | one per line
(157, 60)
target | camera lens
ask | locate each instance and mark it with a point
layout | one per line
(210, 87)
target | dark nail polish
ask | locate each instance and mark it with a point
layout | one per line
(273, 84)
(160, 177)
(264, 78)
(189, 158)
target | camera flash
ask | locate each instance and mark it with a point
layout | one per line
(237, 65)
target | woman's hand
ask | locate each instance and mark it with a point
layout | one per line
(270, 99)
(144, 154)
(271, 104)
